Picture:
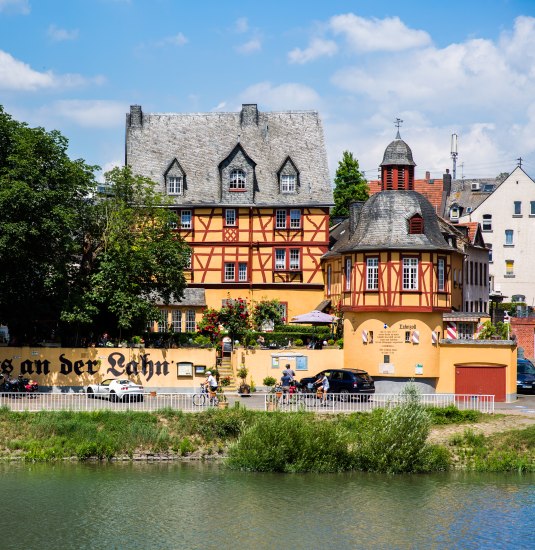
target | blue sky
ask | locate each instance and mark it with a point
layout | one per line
(442, 67)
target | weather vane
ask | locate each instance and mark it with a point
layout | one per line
(398, 123)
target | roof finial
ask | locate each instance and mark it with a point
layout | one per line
(519, 159)
(398, 123)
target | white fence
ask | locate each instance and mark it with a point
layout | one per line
(362, 402)
(190, 402)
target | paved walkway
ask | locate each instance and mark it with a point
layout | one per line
(525, 404)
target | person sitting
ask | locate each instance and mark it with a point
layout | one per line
(211, 383)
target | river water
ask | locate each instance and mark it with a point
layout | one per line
(175, 506)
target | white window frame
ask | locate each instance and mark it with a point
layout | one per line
(185, 223)
(176, 323)
(242, 271)
(163, 320)
(465, 330)
(280, 259)
(410, 273)
(230, 217)
(295, 259)
(509, 237)
(280, 219)
(288, 183)
(532, 208)
(191, 325)
(237, 179)
(230, 272)
(509, 268)
(175, 185)
(372, 273)
(454, 213)
(348, 268)
(295, 218)
(486, 224)
(441, 275)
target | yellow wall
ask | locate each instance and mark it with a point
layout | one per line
(478, 354)
(390, 340)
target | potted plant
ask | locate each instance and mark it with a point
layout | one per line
(244, 388)
(137, 341)
(225, 381)
(269, 382)
(222, 401)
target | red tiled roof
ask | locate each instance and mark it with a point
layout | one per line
(431, 191)
(472, 229)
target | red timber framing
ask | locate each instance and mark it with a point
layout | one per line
(248, 236)
(389, 294)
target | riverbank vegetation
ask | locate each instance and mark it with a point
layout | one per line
(393, 441)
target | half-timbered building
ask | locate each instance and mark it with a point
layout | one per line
(252, 194)
(396, 271)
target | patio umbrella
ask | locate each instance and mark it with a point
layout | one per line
(314, 317)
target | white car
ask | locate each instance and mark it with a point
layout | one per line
(115, 390)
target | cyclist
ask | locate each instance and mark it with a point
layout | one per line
(210, 383)
(323, 387)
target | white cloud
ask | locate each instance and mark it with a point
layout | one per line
(220, 106)
(251, 46)
(107, 166)
(60, 35)
(17, 75)
(89, 113)
(241, 25)
(176, 40)
(282, 97)
(15, 6)
(367, 35)
(318, 48)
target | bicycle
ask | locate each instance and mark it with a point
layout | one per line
(205, 398)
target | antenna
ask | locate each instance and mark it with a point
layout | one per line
(454, 154)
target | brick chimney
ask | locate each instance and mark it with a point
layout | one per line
(249, 114)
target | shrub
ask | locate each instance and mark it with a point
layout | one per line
(298, 342)
(330, 342)
(269, 381)
(340, 343)
(242, 373)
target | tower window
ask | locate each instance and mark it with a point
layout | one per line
(416, 225)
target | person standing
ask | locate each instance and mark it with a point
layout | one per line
(289, 371)
(323, 387)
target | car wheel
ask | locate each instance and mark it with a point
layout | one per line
(126, 398)
(113, 397)
(140, 399)
(90, 394)
(344, 395)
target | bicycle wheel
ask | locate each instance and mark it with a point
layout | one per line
(199, 399)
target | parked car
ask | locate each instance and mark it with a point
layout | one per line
(342, 381)
(116, 390)
(525, 376)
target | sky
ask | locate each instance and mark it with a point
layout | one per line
(464, 67)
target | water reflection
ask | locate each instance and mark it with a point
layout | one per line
(168, 506)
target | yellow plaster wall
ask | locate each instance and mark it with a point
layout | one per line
(477, 354)
(391, 341)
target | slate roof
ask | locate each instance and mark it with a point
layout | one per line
(462, 194)
(200, 142)
(430, 188)
(383, 224)
(398, 153)
(193, 297)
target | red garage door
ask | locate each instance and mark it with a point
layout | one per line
(481, 380)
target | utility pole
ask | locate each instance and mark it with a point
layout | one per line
(454, 154)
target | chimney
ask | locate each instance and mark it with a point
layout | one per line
(249, 114)
(136, 116)
(355, 209)
(427, 176)
(446, 181)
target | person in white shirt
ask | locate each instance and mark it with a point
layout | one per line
(211, 382)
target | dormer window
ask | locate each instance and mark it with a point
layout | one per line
(416, 225)
(174, 185)
(454, 213)
(288, 183)
(238, 179)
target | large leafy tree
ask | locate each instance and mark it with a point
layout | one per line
(43, 198)
(131, 258)
(73, 261)
(350, 185)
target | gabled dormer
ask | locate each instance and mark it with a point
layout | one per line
(416, 225)
(175, 179)
(238, 179)
(288, 177)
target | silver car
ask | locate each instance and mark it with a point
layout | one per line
(116, 390)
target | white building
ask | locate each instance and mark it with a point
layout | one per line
(507, 218)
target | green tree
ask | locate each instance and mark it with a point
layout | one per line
(43, 198)
(267, 311)
(132, 256)
(350, 185)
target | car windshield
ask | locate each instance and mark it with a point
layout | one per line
(122, 382)
(526, 367)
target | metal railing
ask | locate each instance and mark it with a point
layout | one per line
(195, 402)
(345, 403)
